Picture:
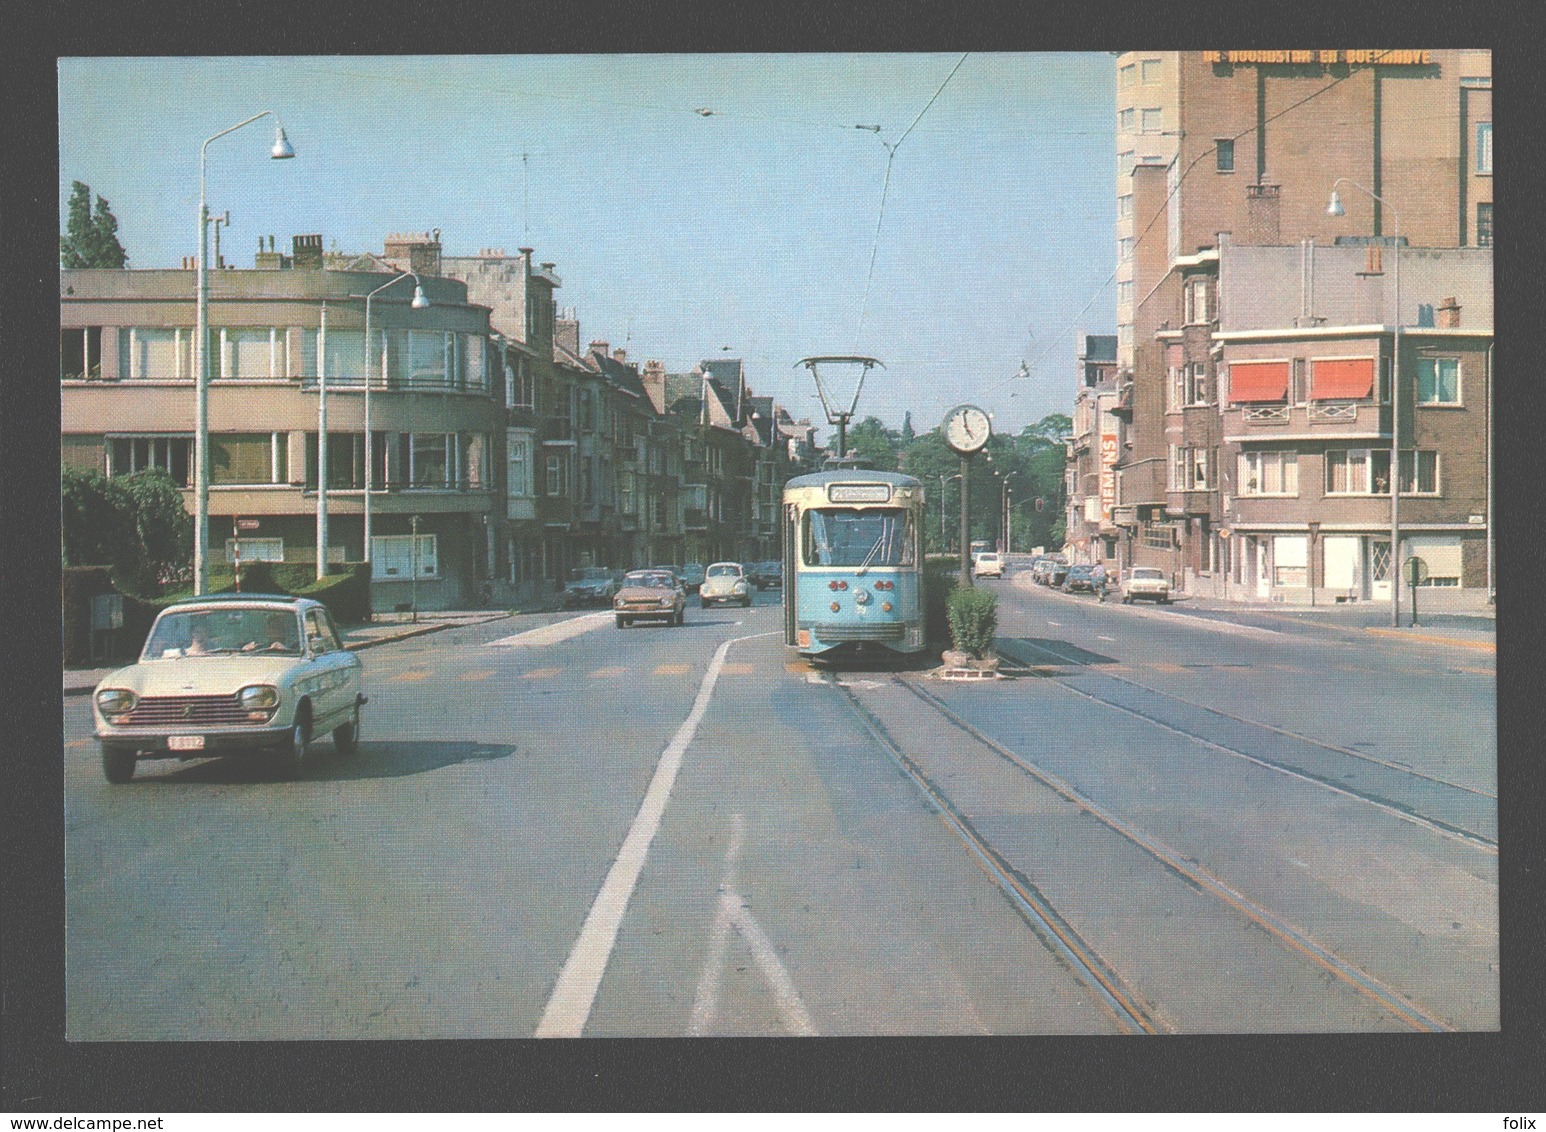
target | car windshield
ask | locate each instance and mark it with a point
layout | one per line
(881, 536)
(1146, 572)
(1081, 570)
(589, 574)
(647, 578)
(221, 632)
(724, 570)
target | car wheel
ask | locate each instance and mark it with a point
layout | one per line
(703, 603)
(296, 752)
(622, 622)
(746, 602)
(118, 764)
(346, 739)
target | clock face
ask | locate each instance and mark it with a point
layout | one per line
(967, 428)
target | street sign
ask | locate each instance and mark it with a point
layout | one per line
(246, 524)
(1415, 570)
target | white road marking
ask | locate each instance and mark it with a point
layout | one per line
(797, 1019)
(551, 634)
(705, 1003)
(1055, 624)
(1098, 637)
(575, 992)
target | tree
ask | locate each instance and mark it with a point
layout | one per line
(873, 441)
(90, 238)
(135, 524)
(162, 523)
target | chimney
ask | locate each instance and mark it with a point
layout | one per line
(602, 348)
(1449, 314)
(619, 355)
(307, 252)
(566, 333)
(420, 249)
(1261, 214)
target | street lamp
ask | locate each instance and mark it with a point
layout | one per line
(944, 543)
(1393, 571)
(419, 303)
(1004, 506)
(281, 150)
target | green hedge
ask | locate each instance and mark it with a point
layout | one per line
(346, 593)
(973, 614)
(941, 575)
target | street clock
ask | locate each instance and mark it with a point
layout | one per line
(967, 429)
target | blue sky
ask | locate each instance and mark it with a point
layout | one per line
(674, 232)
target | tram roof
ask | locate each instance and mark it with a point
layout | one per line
(853, 475)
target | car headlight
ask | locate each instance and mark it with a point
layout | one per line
(667, 603)
(258, 701)
(116, 701)
(740, 587)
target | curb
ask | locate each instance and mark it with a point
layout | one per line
(1429, 638)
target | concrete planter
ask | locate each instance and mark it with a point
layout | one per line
(960, 665)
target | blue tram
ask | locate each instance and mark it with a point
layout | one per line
(853, 562)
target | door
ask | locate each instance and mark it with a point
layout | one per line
(1263, 568)
(1343, 554)
(1379, 569)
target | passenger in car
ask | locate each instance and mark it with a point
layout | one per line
(278, 635)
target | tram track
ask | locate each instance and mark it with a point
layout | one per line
(1127, 1004)
(1403, 811)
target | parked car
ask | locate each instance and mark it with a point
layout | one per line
(1148, 583)
(989, 564)
(1057, 573)
(1079, 579)
(765, 575)
(723, 583)
(650, 595)
(692, 576)
(588, 585)
(261, 674)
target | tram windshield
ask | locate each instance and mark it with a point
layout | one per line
(878, 536)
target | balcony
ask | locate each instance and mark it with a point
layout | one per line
(1333, 420)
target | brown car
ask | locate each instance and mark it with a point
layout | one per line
(650, 595)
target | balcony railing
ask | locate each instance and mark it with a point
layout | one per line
(1266, 414)
(1340, 411)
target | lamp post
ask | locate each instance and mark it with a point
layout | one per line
(944, 543)
(280, 151)
(1004, 506)
(1334, 208)
(418, 304)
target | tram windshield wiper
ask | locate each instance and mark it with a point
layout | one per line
(874, 550)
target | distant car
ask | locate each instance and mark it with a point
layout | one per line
(588, 585)
(650, 595)
(765, 575)
(1080, 578)
(1148, 583)
(1057, 573)
(221, 674)
(989, 564)
(723, 583)
(692, 576)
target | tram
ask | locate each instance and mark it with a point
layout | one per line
(853, 562)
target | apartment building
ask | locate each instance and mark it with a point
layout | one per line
(287, 343)
(1260, 141)
(1093, 450)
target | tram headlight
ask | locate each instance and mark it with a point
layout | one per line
(885, 606)
(835, 607)
(862, 597)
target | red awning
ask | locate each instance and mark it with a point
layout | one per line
(1258, 381)
(1341, 379)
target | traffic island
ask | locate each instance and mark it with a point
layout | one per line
(961, 665)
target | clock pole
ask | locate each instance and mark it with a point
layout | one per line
(966, 544)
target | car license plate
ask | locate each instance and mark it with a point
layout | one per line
(185, 742)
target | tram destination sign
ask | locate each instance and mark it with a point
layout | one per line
(1361, 57)
(859, 492)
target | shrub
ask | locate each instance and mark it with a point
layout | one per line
(973, 614)
(941, 575)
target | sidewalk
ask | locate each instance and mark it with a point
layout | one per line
(387, 627)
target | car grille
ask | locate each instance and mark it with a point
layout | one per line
(854, 631)
(190, 711)
(643, 606)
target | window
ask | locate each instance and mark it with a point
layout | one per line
(157, 353)
(1125, 206)
(1290, 560)
(557, 482)
(1426, 481)
(1125, 293)
(1201, 470)
(1178, 464)
(400, 556)
(258, 351)
(1157, 535)
(1196, 301)
(427, 357)
(1153, 120)
(1127, 75)
(429, 459)
(882, 536)
(1177, 387)
(343, 352)
(1484, 225)
(173, 454)
(1125, 162)
(1438, 381)
(1197, 384)
(1268, 473)
(1358, 471)
(243, 457)
(1484, 148)
(1125, 249)
(1224, 154)
(1151, 70)
(1126, 119)
(256, 549)
(518, 465)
